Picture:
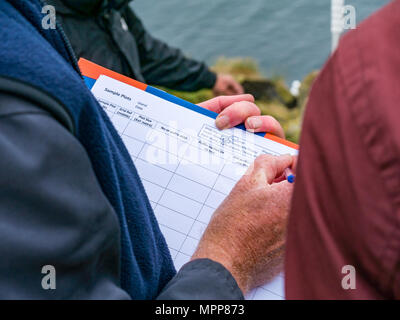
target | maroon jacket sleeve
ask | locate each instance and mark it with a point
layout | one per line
(346, 203)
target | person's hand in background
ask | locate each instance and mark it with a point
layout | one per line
(227, 85)
(234, 110)
(247, 232)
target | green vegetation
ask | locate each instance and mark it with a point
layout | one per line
(276, 100)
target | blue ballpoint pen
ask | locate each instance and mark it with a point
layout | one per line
(289, 175)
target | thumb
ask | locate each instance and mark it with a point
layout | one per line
(278, 167)
(273, 166)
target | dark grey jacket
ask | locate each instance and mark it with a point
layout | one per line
(52, 208)
(110, 34)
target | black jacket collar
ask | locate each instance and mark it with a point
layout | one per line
(87, 7)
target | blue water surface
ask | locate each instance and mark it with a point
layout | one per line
(288, 38)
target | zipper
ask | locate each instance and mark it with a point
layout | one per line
(70, 51)
(68, 46)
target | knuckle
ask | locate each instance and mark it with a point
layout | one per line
(271, 118)
(272, 122)
(270, 164)
(253, 109)
(264, 158)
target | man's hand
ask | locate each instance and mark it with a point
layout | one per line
(226, 85)
(234, 110)
(247, 232)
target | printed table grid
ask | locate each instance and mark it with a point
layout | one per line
(170, 179)
(121, 129)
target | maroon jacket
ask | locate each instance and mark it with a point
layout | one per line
(346, 203)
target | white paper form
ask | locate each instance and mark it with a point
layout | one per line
(186, 164)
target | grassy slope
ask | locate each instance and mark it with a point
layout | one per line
(246, 69)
